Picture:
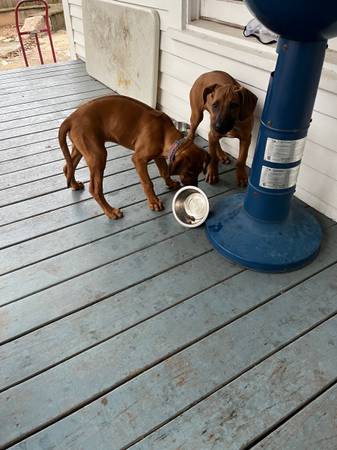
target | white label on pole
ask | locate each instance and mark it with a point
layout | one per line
(278, 178)
(280, 151)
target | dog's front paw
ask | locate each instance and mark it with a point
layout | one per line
(114, 213)
(155, 204)
(171, 184)
(77, 185)
(241, 178)
(212, 176)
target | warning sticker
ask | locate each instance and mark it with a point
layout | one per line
(280, 151)
(278, 178)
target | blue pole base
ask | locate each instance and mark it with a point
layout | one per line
(263, 246)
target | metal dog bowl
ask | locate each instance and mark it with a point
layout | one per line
(183, 127)
(190, 206)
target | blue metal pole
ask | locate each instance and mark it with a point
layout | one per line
(263, 230)
(284, 125)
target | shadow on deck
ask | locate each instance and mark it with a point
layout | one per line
(135, 333)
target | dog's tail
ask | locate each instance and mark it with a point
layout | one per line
(63, 131)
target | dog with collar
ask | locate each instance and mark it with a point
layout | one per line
(137, 126)
(231, 108)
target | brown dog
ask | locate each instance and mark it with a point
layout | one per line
(126, 121)
(231, 108)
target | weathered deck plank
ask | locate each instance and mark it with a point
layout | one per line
(236, 414)
(83, 233)
(16, 80)
(65, 102)
(78, 332)
(40, 136)
(314, 427)
(14, 137)
(41, 275)
(43, 83)
(47, 97)
(33, 226)
(46, 306)
(58, 199)
(47, 68)
(183, 378)
(51, 170)
(20, 159)
(54, 220)
(6, 128)
(135, 332)
(29, 161)
(13, 128)
(42, 95)
(30, 183)
(273, 285)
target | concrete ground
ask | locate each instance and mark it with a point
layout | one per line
(11, 55)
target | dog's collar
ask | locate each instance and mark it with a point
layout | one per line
(174, 148)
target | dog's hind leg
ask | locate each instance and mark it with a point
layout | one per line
(75, 157)
(96, 161)
(164, 173)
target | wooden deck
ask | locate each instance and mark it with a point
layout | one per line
(135, 333)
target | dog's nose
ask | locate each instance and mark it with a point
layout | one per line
(224, 127)
(221, 127)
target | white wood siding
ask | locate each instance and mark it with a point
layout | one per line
(183, 60)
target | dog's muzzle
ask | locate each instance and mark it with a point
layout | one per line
(224, 127)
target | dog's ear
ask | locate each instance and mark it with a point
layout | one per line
(207, 160)
(248, 102)
(208, 90)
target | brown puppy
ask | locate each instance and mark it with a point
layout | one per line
(231, 108)
(126, 121)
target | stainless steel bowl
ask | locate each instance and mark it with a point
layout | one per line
(190, 206)
(181, 126)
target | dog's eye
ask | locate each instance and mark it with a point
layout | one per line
(215, 106)
(234, 105)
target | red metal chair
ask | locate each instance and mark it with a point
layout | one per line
(44, 30)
